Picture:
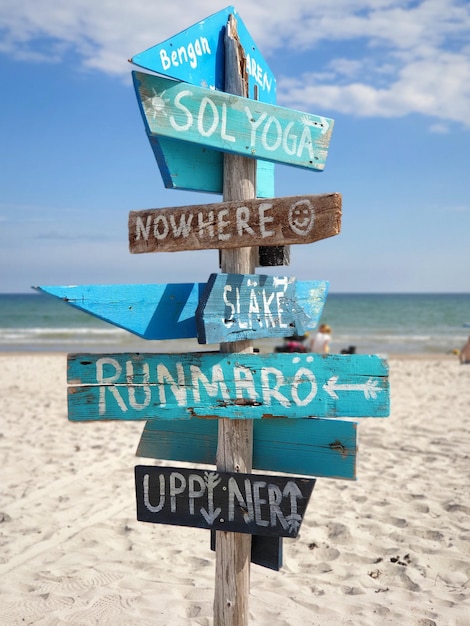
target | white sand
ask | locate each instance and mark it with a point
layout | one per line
(391, 548)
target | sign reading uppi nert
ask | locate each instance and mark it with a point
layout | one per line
(235, 502)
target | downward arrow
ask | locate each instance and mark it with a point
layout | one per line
(212, 480)
(369, 388)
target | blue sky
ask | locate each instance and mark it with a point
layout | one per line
(74, 158)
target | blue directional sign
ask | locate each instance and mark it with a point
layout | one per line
(239, 385)
(167, 311)
(250, 306)
(197, 56)
(309, 447)
(232, 124)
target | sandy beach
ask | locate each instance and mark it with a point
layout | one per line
(392, 547)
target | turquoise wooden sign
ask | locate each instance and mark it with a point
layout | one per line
(309, 447)
(197, 56)
(251, 306)
(166, 311)
(240, 386)
(229, 123)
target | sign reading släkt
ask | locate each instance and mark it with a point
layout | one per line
(265, 222)
(250, 306)
(168, 311)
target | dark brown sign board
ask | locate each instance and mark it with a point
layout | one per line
(256, 504)
(256, 222)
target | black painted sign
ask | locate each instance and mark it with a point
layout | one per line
(244, 503)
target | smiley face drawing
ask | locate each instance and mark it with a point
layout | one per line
(301, 217)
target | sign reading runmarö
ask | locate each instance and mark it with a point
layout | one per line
(242, 503)
(239, 385)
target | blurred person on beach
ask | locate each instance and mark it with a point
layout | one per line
(464, 355)
(320, 341)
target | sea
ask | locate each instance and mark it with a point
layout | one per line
(385, 324)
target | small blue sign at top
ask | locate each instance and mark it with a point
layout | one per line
(197, 56)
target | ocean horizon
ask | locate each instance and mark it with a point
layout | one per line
(374, 323)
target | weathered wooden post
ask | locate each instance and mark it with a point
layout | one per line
(263, 411)
(235, 439)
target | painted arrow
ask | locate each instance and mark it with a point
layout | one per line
(166, 311)
(197, 56)
(369, 388)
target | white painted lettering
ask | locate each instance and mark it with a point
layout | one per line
(265, 219)
(175, 488)
(228, 320)
(274, 500)
(244, 382)
(144, 388)
(243, 216)
(165, 228)
(106, 383)
(273, 392)
(215, 117)
(184, 227)
(277, 134)
(178, 388)
(245, 504)
(309, 376)
(179, 105)
(209, 223)
(224, 135)
(221, 224)
(211, 388)
(161, 503)
(306, 142)
(141, 230)
(258, 501)
(290, 150)
(194, 493)
(280, 310)
(164, 58)
(254, 125)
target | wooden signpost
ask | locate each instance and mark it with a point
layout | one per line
(168, 311)
(232, 408)
(228, 501)
(234, 386)
(277, 221)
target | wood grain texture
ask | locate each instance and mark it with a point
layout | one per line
(231, 123)
(229, 385)
(252, 306)
(236, 224)
(308, 447)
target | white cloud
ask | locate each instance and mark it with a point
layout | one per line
(403, 56)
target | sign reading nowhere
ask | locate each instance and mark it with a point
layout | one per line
(257, 222)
